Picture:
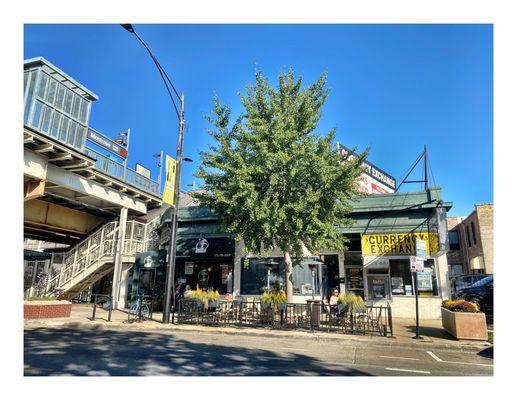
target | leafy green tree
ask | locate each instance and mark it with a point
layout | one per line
(271, 179)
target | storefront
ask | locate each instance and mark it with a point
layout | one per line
(205, 262)
(375, 266)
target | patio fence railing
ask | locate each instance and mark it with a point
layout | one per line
(310, 316)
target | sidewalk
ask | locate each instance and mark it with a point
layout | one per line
(434, 337)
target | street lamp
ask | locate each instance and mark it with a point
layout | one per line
(171, 264)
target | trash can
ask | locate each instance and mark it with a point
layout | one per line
(314, 307)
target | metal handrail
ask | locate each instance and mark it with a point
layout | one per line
(90, 251)
(116, 169)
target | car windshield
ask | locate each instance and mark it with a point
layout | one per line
(483, 282)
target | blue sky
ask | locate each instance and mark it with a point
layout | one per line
(393, 88)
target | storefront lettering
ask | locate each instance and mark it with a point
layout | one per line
(400, 243)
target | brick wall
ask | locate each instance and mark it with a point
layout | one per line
(485, 214)
(50, 310)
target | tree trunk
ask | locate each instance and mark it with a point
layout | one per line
(288, 277)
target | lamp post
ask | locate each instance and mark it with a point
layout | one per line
(171, 259)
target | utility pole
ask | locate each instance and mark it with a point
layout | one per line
(171, 259)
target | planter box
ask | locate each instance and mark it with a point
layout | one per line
(46, 309)
(464, 325)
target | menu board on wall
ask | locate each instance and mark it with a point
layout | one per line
(189, 268)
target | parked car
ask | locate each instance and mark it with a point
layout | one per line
(460, 282)
(481, 293)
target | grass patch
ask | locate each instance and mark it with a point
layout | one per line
(42, 298)
(491, 336)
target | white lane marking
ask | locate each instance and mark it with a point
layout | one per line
(401, 358)
(456, 362)
(434, 356)
(416, 371)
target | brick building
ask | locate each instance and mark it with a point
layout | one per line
(471, 242)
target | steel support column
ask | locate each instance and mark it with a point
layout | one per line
(119, 249)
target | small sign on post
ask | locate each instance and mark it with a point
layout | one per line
(421, 248)
(416, 264)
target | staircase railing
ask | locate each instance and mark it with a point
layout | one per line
(70, 268)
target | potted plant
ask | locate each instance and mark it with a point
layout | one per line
(212, 298)
(350, 303)
(463, 320)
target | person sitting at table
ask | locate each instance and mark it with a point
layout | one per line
(334, 297)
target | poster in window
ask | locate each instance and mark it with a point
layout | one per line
(397, 285)
(189, 268)
(379, 288)
(425, 280)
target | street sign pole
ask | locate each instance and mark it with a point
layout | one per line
(415, 284)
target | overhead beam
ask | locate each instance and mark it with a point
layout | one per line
(79, 165)
(45, 215)
(60, 157)
(33, 189)
(44, 148)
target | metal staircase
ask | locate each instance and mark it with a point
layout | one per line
(74, 271)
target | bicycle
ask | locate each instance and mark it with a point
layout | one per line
(140, 311)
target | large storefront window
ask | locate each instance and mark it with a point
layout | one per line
(254, 276)
(402, 282)
(206, 274)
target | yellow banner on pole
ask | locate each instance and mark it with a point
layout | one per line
(170, 180)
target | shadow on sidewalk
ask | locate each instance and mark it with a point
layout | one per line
(94, 352)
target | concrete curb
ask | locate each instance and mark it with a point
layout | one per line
(393, 342)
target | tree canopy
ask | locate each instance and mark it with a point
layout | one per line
(272, 180)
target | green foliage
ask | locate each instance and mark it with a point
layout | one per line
(274, 298)
(202, 296)
(354, 302)
(460, 306)
(272, 180)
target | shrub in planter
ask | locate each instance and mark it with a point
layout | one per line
(460, 306)
(350, 303)
(275, 299)
(463, 320)
(204, 298)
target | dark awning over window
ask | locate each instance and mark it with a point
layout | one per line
(221, 247)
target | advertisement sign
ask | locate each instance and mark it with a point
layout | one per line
(425, 280)
(386, 181)
(100, 140)
(416, 264)
(170, 179)
(397, 243)
(140, 169)
(421, 248)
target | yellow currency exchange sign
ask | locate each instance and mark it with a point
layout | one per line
(398, 243)
(170, 180)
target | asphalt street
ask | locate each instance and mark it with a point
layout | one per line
(95, 352)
